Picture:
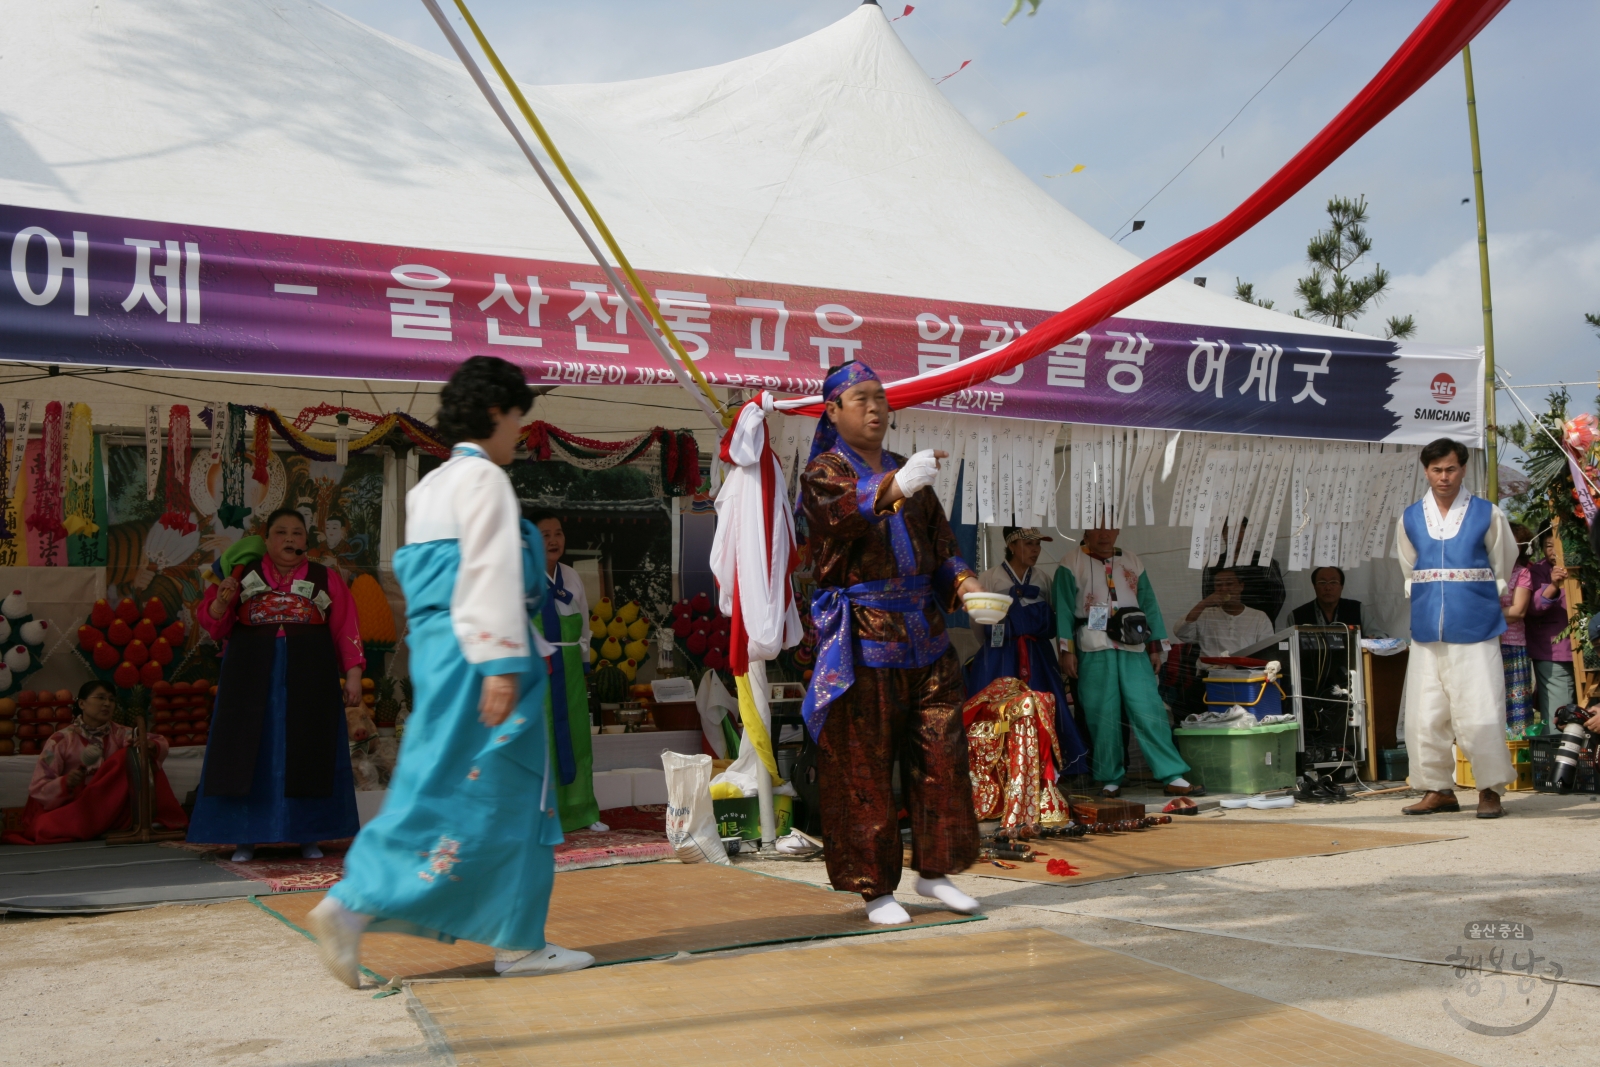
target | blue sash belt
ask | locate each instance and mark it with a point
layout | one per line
(837, 645)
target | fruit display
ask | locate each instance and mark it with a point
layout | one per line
(131, 645)
(28, 719)
(702, 633)
(619, 637)
(181, 711)
(610, 684)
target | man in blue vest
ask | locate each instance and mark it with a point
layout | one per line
(1456, 553)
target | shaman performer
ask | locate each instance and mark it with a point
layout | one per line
(464, 845)
(1457, 552)
(278, 760)
(887, 683)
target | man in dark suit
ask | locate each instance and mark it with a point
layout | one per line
(1330, 606)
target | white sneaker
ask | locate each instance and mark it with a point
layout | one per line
(338, 933)
(1266, 803)
(945, 892)
(552, 959)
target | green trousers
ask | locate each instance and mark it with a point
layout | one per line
(1113, 682)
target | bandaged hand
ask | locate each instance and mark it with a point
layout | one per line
(918, 473)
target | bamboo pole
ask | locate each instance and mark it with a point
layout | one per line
(1491, 452)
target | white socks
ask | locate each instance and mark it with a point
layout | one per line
(244, 854)
(1181, 782)
(598, 827)
(310, 851)
(886, 911)
(945, 891)
(552, 959)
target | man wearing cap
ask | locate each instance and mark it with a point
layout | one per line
(1019, 646)
(887, 684)
(1101, 595)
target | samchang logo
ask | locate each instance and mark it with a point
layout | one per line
(1444, 391)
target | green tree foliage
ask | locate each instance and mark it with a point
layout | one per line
(1398, 328)
(1246, 291)
(1333, 293)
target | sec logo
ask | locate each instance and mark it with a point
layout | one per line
(1444, 388)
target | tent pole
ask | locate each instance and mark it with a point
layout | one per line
(1491, 454)
(706, 399)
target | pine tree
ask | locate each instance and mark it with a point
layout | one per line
(1246, 291)
(1332, 293)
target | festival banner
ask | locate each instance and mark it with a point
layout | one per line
(100, 291)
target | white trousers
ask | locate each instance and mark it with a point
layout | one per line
(1457, 692)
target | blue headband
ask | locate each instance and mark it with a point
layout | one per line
(833, 387)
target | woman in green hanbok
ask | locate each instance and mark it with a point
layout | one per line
(463, 846)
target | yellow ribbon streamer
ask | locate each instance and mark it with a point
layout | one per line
(755, 731)
(594, 215)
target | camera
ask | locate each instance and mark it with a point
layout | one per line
(1577, 743)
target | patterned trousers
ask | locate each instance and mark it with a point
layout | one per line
(913, 714)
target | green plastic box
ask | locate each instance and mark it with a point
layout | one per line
(741, 817)
(1240, 761)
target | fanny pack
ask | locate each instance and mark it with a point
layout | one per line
(1125, 626)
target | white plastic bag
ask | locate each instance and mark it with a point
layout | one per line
(691, 824)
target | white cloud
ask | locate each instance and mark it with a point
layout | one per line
(1542, 285)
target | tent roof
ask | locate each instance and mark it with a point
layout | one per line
(832, 161)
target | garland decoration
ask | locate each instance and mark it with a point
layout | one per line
(176, 517)
(80, 473)
(230, 433)
(677, 464)
(46, 517)
(425, 437)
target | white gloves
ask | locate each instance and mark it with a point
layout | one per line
(918, 473)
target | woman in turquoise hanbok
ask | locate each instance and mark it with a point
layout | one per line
(463, 846)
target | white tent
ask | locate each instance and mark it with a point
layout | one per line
(832, 161)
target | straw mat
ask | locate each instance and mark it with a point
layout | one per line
(638, 912)
(1195, 843)
(1010, 997)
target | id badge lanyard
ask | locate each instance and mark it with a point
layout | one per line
(1100, 614)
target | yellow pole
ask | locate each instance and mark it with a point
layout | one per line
(639, 289)
(1491, 452)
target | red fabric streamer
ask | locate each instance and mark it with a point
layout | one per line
(46, 517)
(263, 447)
(1448, 28)
(176, 516)
(1061, 868)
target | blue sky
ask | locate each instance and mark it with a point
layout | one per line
(1133, 88)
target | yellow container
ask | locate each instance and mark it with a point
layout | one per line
(1518, 751)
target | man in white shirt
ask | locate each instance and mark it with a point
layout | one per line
(1221, 624)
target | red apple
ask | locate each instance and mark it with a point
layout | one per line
(164, 715)
(162, 689)
(26, 697)
(29, 748)
(27, 712)
(64, 713)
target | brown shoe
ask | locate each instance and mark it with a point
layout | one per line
(1433, 802)
(1489, 804)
